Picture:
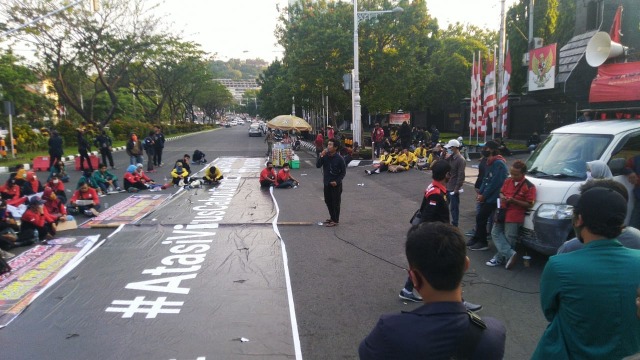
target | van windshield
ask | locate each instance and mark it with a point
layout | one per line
(565, 156)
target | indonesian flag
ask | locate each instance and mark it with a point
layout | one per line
(504, 100)
(616, 27)
(473, 115)
(489, 97)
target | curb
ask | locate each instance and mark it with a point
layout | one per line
(5, 169)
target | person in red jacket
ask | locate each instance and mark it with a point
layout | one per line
(11, 193)
(57, 185)
(319, 142)
(34, 224)
(268, 176)
(284, 179)
(85, 200)
(54, 207)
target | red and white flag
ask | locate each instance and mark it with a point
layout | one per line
(504, 100)
(472, 113)
(490, 110)
(478, 92)
(616, 28)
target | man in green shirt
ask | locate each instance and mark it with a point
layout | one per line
(589, 295)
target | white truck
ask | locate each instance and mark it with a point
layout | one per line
(558, 167)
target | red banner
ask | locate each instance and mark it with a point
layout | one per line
(616, 82)
(398, 119)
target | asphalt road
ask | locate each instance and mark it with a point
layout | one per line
(343, 278)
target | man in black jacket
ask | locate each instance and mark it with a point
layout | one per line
(333, 171)
(104, 143)
(55, 149)
(83, 149)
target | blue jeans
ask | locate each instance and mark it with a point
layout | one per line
(504, 237)
(285, 185)
(454, 206)
(136, 159)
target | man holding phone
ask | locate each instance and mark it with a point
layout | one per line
(333, 171)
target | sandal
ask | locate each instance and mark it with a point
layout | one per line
(328, 221)
(331, 224)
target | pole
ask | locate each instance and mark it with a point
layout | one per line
(13, 152)
(531, 6)
(500, 72)
(356, 78)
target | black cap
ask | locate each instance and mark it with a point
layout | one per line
(600, 206)
(35, 200)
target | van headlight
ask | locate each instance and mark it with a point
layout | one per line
(553, 211)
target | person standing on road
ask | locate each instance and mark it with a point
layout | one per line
(454, 185)
(333, 171)
(149, 145)
(516, 197)
(104, 143)
(269, 139)
(55, 149)
(488, 195)
(158, 147)
(588, 296)
(442, 328)
(319, 143)
(377, 137)
(134, 149)
(83, 149)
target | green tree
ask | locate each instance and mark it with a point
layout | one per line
(275, 93)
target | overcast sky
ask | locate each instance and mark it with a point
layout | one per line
(245, 28)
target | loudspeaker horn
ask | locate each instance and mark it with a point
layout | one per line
(600, 48)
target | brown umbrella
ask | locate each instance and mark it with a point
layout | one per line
(288, 122)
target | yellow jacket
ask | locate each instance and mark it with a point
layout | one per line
(385, 159)
(412, 158)
(403, 160)
(420, 152)
(394, 135)
(217, 174)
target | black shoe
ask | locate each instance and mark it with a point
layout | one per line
(472, 241)
(479, 246)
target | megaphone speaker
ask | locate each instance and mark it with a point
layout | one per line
(600, 48)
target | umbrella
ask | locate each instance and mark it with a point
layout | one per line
(288, 122)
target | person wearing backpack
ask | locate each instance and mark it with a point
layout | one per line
(149, 146)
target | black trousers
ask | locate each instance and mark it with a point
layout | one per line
(106, 155)
(54, 159)
(485, 211)
(157, 156)
(332, 197)
(84, 155)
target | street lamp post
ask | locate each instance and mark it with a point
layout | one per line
(357, 17)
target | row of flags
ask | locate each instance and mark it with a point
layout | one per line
(485, 104)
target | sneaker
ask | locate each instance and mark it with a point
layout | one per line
(472, 241)
(494, 262)
(409, 296)
(472, 306)
(512, 261)
(118, 189)
(368, 172)
(88, 213)
(479, 246)
(470, 233)
(133, 190)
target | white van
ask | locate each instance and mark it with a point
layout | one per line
(558, 167)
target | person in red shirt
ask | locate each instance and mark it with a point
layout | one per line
(517, 195)
(268, 176)
(57, 185)
(33, 223)
(11, 193)
(319, 142)
(85, 192)
(54, 207)
(284, 179)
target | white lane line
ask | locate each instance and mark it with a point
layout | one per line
(285, 259)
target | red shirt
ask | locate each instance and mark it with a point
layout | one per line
(267, 174)
(319, 141)
(56, 187)
(55, 207)
(33, 217)
(91, 194)
(282, 176)
(14, 192)
(527, 192)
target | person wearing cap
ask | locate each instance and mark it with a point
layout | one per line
(268, 176)
(179, 173)
(33, 223)
(488, 193)
(456, 180)
(588, 296)
(334, 170)
(517, 195)
(377, 137)
(629, 237)
(85, 192)
(54, 207)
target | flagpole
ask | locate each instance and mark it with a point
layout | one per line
(472, 102)
(479, 97)
(500, 69)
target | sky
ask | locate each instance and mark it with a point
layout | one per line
(244, 29)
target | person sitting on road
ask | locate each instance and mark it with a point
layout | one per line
(59, 169)
(8, 228)
(11, 192)
(34, 226)
(186, 160)
(403, 161)
(21, 175)
(132, 180)
(53, 206)
(213, 175)
(268, 176)
(86, 178)
(284, 179)
(105, 180)
(421, 153)
(57, 186)
(85, 200)
(383, 165)
(179, 174)
(198, 158)
(32, 185)
(149, 182)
